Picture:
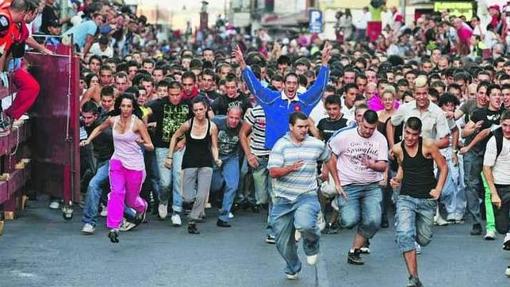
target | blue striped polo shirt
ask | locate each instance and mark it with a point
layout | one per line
(285, 152)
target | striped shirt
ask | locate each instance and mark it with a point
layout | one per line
(257, 120)
(285, 152)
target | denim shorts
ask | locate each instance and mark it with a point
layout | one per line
(414, 220)
(362, 207)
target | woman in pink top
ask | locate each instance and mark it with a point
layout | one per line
(464, 32)
(127, 167)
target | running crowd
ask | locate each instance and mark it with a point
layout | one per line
(324, 137)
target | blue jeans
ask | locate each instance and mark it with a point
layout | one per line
(453, 196)
(94, 192)
(262, 182)
(226, 177)
(362, 207)
(287, 217)
(263, 188)
(152, 171)
(473, 163)
(167, 175)
(414, 220)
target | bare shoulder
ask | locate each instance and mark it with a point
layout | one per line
(214, 128)
(397, 148)
(429, 144)
(139, 122)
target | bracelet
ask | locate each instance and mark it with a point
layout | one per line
(169, 157)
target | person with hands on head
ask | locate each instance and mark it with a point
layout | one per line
(197, 163)
(127, 167)
(419, 191)
(279, 105)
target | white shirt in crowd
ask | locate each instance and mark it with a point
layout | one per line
(361, 22)
(96, 50)
(501, 165)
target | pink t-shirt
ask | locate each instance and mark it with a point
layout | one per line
(351, 148)
(465, 32)
(375, 103)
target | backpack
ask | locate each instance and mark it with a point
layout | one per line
(498, 136)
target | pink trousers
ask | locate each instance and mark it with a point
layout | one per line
(28, 90)
(125, 186)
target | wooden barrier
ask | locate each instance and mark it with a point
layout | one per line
(45, 148)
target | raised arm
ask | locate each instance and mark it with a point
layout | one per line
(263, 95)
(314, 93)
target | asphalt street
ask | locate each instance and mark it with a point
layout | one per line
(41, 249)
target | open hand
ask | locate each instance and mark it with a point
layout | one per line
(238, 55)
(326, 53)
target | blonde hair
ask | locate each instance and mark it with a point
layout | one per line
(420, 82)
(389, 89)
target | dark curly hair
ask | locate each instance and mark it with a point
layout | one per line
(136, 108)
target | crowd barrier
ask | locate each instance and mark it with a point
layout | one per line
(41, 154)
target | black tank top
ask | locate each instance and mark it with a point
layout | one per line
(419, 176)
(198, 151)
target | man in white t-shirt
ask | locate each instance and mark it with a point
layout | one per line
(361, 153)
(102, 48)
(496, 169)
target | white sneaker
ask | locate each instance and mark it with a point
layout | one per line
(126, 225)
(55, 204)
(104, 211)
(334, 204)
(439, 220)
(163, 210)
(176, 220)
(293, 276)
(230, 215)
(320, 221)
(417, 247)
(365, 250)
(507, 271)
(312, 259)
(490, 235)
(88, 229)
(297, 235)
(506, 242)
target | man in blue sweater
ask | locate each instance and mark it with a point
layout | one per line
(279, 105)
